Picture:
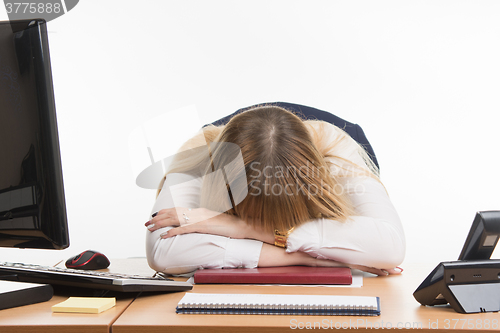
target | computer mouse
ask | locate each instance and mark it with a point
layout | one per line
(88, 260)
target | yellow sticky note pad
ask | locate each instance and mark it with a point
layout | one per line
(85, 304)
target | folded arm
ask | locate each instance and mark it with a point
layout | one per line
(178, 250)
(373, 238)
(188, 252)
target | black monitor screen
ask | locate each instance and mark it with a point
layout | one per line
(32, 205)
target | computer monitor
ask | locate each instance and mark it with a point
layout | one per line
(32, 203)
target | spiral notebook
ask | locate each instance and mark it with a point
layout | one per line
(194, 303)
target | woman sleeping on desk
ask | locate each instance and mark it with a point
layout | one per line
(271, 189)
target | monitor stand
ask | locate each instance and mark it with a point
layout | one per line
(13, 293)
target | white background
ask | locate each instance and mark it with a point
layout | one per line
(421, 77)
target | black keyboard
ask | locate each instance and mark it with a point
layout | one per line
(89, 279)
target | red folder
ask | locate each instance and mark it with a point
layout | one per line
(276, 275)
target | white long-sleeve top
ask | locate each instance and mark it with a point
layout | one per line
(373, 238)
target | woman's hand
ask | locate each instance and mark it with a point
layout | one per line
(330, 263)
(178, 216)
(214, 224)
(377, 271)
(204, 221)
(372, 270)
(276, 256)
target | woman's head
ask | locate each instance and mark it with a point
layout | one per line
(287, 180)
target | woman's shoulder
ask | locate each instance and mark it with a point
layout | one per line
(336, 146)
(330, 139)
(206, 135)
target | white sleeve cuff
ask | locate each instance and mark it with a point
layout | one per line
(305, 238)
(242, 253)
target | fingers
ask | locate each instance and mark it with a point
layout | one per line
(203, 227)
(394, 271)
(169, 234)
(377, 271)
(185, 229)
(386, 272)
(163, 218)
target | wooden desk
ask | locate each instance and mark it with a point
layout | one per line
(39, 317)
(399, 309)
(157, 313)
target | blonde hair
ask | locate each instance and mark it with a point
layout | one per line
(288, 179)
